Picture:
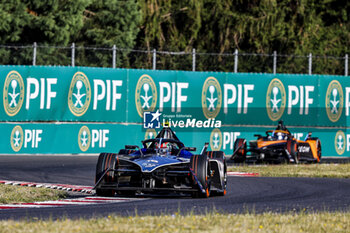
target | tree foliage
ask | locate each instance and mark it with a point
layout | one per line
(45, 22)
(297, 27)
(108, 23)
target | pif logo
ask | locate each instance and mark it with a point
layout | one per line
(13, 94)
(339, 142)
(334, 101)
(275, 99)
(150, 134)
(79, 95)
(215, 139)
(145, 95)
(94, 138)
(29, 138)
(84, 138)
(211, 97)
(17, 138)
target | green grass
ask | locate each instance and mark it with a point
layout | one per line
(17, 194)
(267, 222)
(299, 170)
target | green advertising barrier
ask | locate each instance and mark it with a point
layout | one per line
(61, 99)
(91, 138)
(70, 94)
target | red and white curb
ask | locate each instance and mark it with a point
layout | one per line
(67, 187)
(65, 202)
(244, 174)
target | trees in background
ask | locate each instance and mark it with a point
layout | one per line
(296, 27)
(45, 22)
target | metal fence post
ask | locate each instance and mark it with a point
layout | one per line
(34, 53)
(193, 59)
(346, 65)
(154, 59)
(274, 62)
(236, 61)
(114, 56)
(73, 54)
(310, 64)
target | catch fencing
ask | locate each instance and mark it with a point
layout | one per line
(114, 57)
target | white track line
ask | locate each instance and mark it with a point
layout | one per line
(243, 174)
(70, 202)
(74, 188)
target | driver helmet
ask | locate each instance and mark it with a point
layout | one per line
(166, 147)
(279, 136)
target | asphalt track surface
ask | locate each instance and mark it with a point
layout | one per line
(253, 194)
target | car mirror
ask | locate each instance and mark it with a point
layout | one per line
(190, 148)
(131, 147)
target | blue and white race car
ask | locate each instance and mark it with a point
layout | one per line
(162, 165)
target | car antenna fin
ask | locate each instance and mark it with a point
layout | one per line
(205, 147)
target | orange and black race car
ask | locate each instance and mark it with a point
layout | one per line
(278, 145)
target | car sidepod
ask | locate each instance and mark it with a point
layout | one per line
(309, 150)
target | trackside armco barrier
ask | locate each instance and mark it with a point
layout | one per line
(88, 110)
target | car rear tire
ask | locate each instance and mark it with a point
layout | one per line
(220, 156)
(201, 167)
(292, 149)
(105, 161)
(319, 149)
(241, 153)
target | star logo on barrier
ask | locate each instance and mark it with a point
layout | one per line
(146, 98)
(13, 94)
(84, 138)
(145, 95)
(339, 142)
(275, 99)
(150, 134)
(16, 138)
(334, 101)
(211, 97)
(79, 95)
(216, 139)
